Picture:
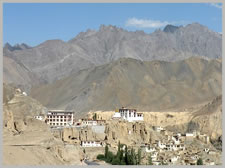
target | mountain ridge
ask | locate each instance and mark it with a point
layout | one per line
(56, 59)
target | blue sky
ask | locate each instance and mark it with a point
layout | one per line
(34, 23)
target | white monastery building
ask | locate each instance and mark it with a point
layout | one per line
(59, 118)
(128, 114)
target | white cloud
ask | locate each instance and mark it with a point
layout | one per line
(149, 23)
(217, 5)
(145, 23)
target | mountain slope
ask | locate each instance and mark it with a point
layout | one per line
(16, 73)
(148, 86)
(55, 59)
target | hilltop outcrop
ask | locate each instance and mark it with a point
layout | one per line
(27, 141)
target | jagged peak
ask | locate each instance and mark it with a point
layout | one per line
(170, 28)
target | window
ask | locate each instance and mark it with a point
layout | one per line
(65, 120)
(53, 120)
(57, 119)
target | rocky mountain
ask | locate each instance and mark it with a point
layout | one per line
(28, 141)
(206, 119)
(145, 85)
(16, 74)
(170, 28)
(22, 46)
(56, 59)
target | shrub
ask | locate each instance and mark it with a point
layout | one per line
(115, 161)
(199, 161)
(110, 157)
(101, 157)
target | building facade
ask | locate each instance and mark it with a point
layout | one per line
(88, 122)
(60, 118)
(91, 144)
(128, 114)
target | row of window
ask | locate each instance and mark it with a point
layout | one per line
(89, 122)
(92, 142)
(59, 116)
(138, 115)
(57, 120)
(57, 124)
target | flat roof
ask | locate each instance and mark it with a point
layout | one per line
(62, 111)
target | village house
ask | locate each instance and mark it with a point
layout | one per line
(101, 122)
(91, 144)
(156, 162)
(212, 152)
(206, 150)
(174, 159)
(40, 117)
(154, 156)
(129, 115)
(208, 162)
(158, 128)
(60, 118)
(88, 122)
(204, 138)
(176, 140)
(189, 136)
(150, 149)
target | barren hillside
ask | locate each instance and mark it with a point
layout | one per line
(27, 141)
(147, 86)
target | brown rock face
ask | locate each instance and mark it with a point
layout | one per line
(27, 141)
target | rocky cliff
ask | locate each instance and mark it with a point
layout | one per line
(27, 141)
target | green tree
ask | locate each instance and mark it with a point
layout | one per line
(126, 155)
(199, 161)
(133, 157)
(118, 150)
(139, 157)
(106, 151)
(150, 160)
(95, 116)
(101, 157)
(110, 157)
